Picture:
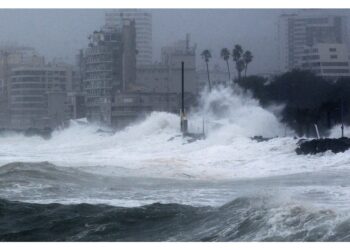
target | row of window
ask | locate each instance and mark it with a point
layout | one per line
(102, 66)
(336, 71)
(28, 85)
(29, 72)
(98, 92)
(27, 99)
(335, 64)
(28, 113)
(327, 64)
(38, 79)
(38, 72)
(27, 92)
(28, 105)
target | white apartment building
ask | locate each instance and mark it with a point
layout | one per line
(143, 26)
(38, 95)
(11, 57)
(299, 30)
(327, 60)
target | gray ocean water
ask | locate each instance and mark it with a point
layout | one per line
(147, 183)
(44, 202)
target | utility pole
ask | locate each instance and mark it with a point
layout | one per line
(342, 117)
(183, 121)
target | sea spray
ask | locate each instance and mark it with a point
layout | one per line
(154, 147)
(233, 112)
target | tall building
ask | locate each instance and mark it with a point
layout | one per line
(109, 67)
(328, 60)
(11, 57)
(165, 77)
(143, 25)
(297, 31)
(38, 96)
(158, 85)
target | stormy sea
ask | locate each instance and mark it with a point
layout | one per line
(148, 183)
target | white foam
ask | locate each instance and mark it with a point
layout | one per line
(145, 149)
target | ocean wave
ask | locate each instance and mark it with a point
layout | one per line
(243, 219)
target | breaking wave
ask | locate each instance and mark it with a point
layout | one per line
(243, 219)
(63, 181)
(154, 146)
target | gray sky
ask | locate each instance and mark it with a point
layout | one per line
(62, 32)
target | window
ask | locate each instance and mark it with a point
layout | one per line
(335, 64)
(336, 71)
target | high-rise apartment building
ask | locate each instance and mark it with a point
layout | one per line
(298, 31)
(11, 57)
(109, 67)
(143, 26)
(38, 95)
(328, 60)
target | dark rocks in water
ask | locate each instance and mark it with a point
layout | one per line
(45, 132)
(192, 137)
(172, 138)
(109, 132)
(260, 138)
(322, 145)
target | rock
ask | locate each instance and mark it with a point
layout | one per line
(322, 145)
(260, 138)
(192, 137)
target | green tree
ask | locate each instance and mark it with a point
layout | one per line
(237, 53)
(240, 66)
(225, 54)
(247, 58)
(237, 58)
(206, 55)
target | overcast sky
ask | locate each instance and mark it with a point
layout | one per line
(62, 32)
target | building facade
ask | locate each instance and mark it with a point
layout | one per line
(131, 106)
(165, 77)
(38, 96)
(297, 31)
(11, 57)
(218, 76)
(330, 61)
(109, 68)
(158, 86)
(143, 26)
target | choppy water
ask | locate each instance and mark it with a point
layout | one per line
(146, 183)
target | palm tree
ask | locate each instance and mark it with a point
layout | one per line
(247, 58)
(206, 55)
(237, 53)
(240, 65)
(236, 56)
(225, 54)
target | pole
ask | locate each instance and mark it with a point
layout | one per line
(342, 118)
(182, 88)
(203, 129)
(317, 132)
(183, 121)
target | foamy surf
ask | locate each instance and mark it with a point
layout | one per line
(153, 147)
